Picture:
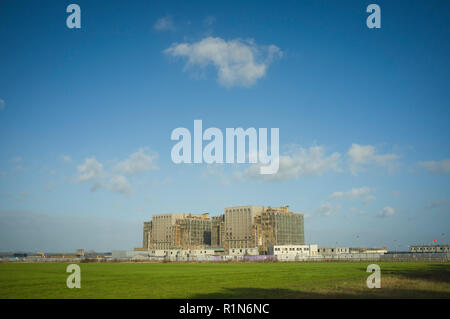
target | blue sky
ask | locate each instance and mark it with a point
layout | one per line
(86, 116)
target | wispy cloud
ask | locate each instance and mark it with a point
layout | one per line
(298, 163)
(362, 155)
(387, 212)
(90, 171)
(326, 209)
(437, 167)
(353, 193)
(369, 199)
(120, 184)
(138, 162)
(2, 105)
(238, 62)
(164, 24)
(115, 180)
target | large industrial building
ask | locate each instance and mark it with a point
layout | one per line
(261, 227)
(241, 227)
(170, 231)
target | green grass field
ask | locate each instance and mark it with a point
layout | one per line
(233, 280)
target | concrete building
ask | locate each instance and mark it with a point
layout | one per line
(147, 234)
(161, 235)
(192, 232)
(240, 227)
(182, 231)
(261, 227)
(218, 231)
(279, 226)
(79, 252)
(429, 248)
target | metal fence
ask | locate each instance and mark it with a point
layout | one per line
(390, 257)
(436, 257)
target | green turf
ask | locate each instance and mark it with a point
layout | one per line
(232, 280)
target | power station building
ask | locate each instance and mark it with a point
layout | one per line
(184, 231)
(241, 227)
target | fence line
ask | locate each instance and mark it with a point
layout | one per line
(390, 257)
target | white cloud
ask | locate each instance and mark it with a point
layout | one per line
(90, 171)
(437, 167)
(2, 105)
(137, 162)
(238, 62)
(369, 199)
(387, 212)
(361, 155)
(300, 163)
(353, 193)
(164, 24)
(120, 184)
(326, 209)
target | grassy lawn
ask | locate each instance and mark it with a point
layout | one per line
(234, 280)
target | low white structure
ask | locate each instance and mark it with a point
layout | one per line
(128, 254)
(243, 251)
(181, 254)
(293, 252)
(382, 250)
(157, 252)
(333, 250)
(429, 248)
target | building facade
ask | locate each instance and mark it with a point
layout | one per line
(261, 227)
(363, 250)
(333, 250)
(192, 232)
(279, 226)
(292, 251)
(147, 234)
(218, 231)
(240, 230)
(429, 248)
(240, 227)
(162, 234)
